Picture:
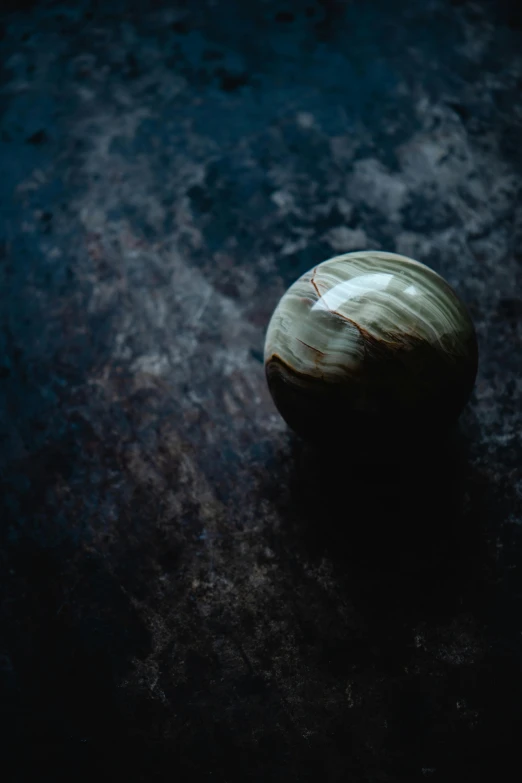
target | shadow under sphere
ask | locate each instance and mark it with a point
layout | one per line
(405, 525)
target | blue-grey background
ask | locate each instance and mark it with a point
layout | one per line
(186, 593)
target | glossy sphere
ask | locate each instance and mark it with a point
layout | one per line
(368, 347)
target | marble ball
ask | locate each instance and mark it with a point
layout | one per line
(370, 349)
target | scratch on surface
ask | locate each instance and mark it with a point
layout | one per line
(204, 304)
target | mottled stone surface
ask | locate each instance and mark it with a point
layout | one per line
(186, 593)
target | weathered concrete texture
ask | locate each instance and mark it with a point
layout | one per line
(183, 588)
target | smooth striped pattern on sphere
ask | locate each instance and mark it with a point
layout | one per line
(372, 333)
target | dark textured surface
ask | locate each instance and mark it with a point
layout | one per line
(186, 594)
